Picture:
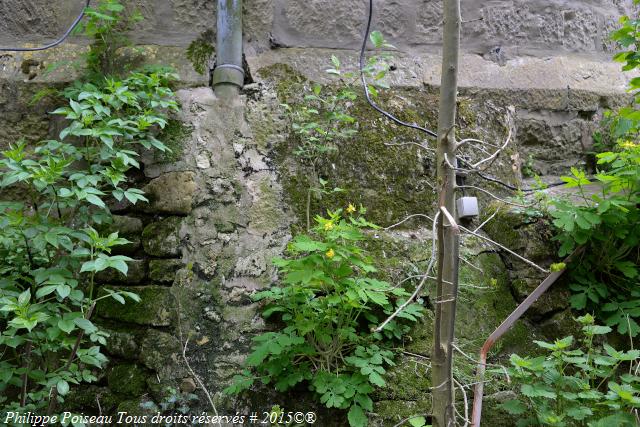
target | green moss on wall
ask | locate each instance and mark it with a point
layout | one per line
(173, 136)
(390, 181)
(128, 379)
(156, 307)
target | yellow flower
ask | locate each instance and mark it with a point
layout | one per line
(627, 145)
(330, 253)
(328, 226)
(351, 209)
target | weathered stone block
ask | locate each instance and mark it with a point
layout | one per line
(164, 270)
(127, 379)
(154, 309)
(122, 344)
(171, 193)
(161, 352)
(127, 227)
(161, 238)
(136, 274)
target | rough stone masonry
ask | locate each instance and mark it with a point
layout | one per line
(226, 203)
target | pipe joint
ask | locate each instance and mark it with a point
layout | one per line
(228, 74)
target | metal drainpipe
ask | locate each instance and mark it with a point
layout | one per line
(228, 76)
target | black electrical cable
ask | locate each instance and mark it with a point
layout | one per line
(414, 126)
(504, 184)
(366, 87)
(55, 43)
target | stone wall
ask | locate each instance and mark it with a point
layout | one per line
(227, 199)
(499, 29)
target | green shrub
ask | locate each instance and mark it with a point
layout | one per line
(607, 224)
(328, 302)
(49, 249)
(588, 385)
(53, 195)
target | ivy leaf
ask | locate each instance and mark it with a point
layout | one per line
(24, 298)
(66, 325)
(63, 387)
(579, 412)
(620, 419)
(627, 268)
(63, 290)
(418, 422)
(95, 200)
(85, 325)
(377, 379)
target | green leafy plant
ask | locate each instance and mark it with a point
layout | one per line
(174, 402)
(106, 25)
(328, 302)
(201, 52)
(56, 193)
(587, 385)
(626, 121)
(607, 223)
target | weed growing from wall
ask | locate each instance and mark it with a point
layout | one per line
(329, 301)
(577, 385)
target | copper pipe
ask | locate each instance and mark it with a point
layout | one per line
(502, 329)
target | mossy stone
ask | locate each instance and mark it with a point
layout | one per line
(265, 214)
(85, 398)
(136, 412)
(128, 379)
(388, 413)
(227, 217)
(136, 273)
(154, 309)
(164, 270)
(127, 227)
(391, 181)
(161, 352)
(171, 193)
(122, 343)
(161, 238)
(174, 135)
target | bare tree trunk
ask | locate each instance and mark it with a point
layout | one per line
(447, 284)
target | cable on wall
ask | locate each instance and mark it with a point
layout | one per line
(366, 87)
(53, 44)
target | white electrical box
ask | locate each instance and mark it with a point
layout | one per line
(467, 207)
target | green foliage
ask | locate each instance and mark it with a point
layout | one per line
(588, 385)
(174, 402)
(607, 224)
(328, 302)
(106, 25)
(56, 193)
(324, 121)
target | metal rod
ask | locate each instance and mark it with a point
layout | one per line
(502, 329)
